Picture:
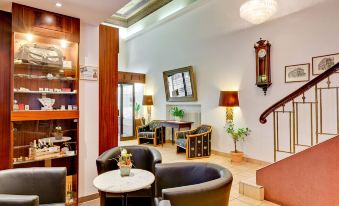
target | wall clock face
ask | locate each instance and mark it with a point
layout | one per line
(262, 53)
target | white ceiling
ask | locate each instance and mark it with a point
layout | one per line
(97, 11)
(89, 11)
(218, 15)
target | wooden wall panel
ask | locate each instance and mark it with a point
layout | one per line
(108, 87)
(129, 77)
(5, 84)
(27, 19)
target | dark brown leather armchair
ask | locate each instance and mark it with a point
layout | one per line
(142, 158)
(192, 184)
(33, 186)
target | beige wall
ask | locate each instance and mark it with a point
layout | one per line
(89, 111)
(221, 51)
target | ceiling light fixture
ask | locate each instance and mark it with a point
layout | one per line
(258, 11)
(58, 4)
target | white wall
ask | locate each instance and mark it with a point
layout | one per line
(89, 111)
(224, 60)
(89, 108)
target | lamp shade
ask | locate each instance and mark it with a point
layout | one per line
(147, 100)
(228, 99)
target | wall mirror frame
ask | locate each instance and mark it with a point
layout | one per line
(180, 85)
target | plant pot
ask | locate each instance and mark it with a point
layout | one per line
(178, 119)
(125, 170)
(237, 156)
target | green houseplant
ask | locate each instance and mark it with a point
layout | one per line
(177, 113)
(237, 135)
(137, 109)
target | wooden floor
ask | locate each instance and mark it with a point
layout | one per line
(243, 171)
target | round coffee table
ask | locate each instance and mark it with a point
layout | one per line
(112, 182)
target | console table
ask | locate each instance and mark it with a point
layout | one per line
(173, 124)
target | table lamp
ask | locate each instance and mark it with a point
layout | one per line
(148, 101)
(229, 99)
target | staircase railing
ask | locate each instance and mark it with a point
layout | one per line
(320, 97)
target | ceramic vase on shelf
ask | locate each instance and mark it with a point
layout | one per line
(58, 134)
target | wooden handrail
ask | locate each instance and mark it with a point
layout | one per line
(298, 92)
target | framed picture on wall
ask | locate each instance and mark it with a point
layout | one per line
(323, 63)
(89, 73)
(297, 73)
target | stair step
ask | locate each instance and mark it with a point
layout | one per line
(250, 189)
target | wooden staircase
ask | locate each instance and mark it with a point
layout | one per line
(306, 145)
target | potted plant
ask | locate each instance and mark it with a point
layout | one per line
(237, 135)
(177, 113)
(137, 110)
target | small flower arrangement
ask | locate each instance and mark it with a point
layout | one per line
(124, 162)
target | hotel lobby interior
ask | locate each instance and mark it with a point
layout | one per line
(169, 103)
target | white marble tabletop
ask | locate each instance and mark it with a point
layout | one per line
(112, 182)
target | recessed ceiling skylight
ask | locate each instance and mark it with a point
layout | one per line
(131, 8)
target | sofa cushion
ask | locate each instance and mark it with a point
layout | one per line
(147, 135)
(182, 143)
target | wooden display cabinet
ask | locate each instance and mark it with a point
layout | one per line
(45, 93)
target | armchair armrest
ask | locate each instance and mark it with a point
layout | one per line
(157, 159)
(198, 135)
(105, 161)
(164, 203)
(209, 193)
(19, 200)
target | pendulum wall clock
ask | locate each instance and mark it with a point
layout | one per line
(263, 64)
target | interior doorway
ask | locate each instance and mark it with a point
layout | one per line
(126, 103)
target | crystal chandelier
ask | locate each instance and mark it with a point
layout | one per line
(258, 11)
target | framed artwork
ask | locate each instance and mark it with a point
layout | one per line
(180, 85)
(297, 73)
(89, 73)
(323, 63)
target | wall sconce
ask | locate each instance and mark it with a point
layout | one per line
(229, 99)
(148, 101)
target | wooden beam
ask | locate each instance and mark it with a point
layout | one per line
(5, 85)
(108, 87)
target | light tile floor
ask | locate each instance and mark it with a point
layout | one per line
(240, 171)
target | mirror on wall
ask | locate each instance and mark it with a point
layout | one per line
(180, 85)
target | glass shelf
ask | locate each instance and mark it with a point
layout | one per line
(26, 76)
(42, 92)
(43, 159)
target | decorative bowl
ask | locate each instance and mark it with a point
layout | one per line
(47, 103)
